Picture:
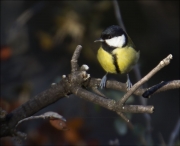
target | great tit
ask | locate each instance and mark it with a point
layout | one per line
(117, 53)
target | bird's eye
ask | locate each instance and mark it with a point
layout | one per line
(109, 37)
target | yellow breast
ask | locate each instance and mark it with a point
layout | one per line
(126, 58)
(106, 61)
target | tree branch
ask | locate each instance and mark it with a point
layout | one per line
(162, 64)
(34, 105)
(74, 65)
(111, 84)
(72, 84)
(118, 14)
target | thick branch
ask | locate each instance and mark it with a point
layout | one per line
(73, 84)
(111, 84)
(110, 103)
(82, 93)
(34, 105)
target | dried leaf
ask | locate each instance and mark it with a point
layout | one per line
(73, 135)
(58, 124)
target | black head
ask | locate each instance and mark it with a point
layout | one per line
(113, 37)
(112, 31)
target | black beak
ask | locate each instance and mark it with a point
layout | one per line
(99, 40)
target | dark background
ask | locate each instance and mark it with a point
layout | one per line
(37, 41)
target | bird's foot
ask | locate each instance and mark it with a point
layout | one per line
(128, 84)
(103, 82)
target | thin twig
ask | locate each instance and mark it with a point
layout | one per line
(73, 84)
(74, 65)
(118, 14)
(174, 133)
(161, 139)
(110, 103)
(136, 68)
(162, 64)
(111, 84)
(95, 90)
(138, 109)
(123, 117)
(47, 115)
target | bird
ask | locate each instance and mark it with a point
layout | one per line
(117, 53)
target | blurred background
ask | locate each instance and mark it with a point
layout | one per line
(37, 42)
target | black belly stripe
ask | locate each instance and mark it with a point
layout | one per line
(115, 63)
(109, 50)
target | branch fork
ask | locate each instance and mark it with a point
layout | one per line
(74, 83)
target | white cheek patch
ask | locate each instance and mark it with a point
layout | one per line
(116, 41)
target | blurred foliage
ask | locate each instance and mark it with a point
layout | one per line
(37, 42)
(120, 126)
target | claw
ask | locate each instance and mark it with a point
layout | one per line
(128, 83)
(103, 81)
